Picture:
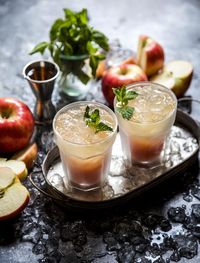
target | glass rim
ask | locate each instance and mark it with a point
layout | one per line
(147, 83)
(39, 61)
(74, 104)
(74, 57)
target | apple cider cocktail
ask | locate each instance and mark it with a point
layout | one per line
(85, 132)
(146, 112)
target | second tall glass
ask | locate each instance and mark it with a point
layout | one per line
(144, 135)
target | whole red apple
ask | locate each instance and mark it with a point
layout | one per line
(118, 76)
(16, 125)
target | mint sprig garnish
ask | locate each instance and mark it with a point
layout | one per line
(123, 96)
(93, 120)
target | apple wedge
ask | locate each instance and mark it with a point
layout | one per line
(13, 201)
(150, 55)
(3, 159)
(7, 178)
(176, 76)
(28, 155)
(18, 168)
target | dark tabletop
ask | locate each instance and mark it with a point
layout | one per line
(161, 226)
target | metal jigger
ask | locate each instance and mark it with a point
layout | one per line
(41, 76)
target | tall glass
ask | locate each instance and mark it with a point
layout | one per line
(85, 154)
(143, 136)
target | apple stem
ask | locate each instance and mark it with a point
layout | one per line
(123, 71)
(5, 114)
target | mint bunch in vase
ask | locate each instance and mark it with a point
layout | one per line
(77, 48)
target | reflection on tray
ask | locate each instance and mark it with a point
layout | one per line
(122, 180)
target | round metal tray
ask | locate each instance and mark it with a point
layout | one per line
(124, 183)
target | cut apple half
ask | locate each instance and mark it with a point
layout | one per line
(7, 178)
(13, 201)
(166, 79)
(176, 76)
(180, 69)
(18, 167)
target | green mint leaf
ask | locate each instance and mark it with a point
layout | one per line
(123, 96)
(53, 34)
(100, 56)
(100, 39)
(90, 47)
(70, 15)
(93, 120)
(116, 92)
(83, 16)
(103, 127)
(39, 48)
(95, 116)
(90, 123)
(82, 76)
(131, 95)
(93, 64)
(67, 48)
(87, 110)
(56, 56)
(126, 112)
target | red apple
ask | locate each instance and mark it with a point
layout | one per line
(101, 69)
(150, 55)
(118, 76)
(16, 125)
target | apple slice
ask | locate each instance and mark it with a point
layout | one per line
(3, 159)
(13, 201)
(7, 178)
(176, 76)
(18, 167)
(28, 155)
(150, 55)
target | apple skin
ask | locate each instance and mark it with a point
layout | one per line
(12, 214)
(16, 125)
(150, 55)
(28, 155)
(118, 76)
(102, 68)
(16, 212)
